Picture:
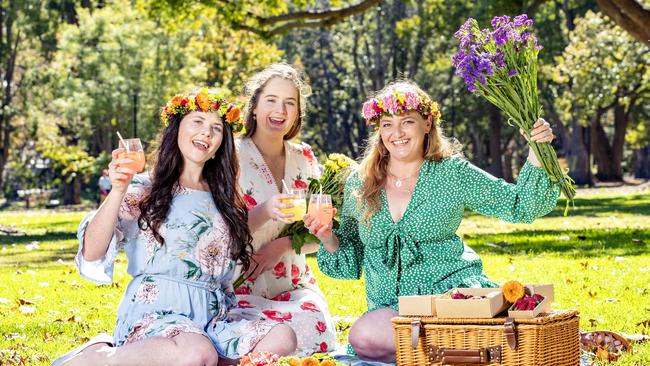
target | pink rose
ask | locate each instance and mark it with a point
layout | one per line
(280, 270)
(323, 347)
(320, 327)
(411, 100)
(308, 153)
(299, 184)
(309, 306)
(285, 296)
(390, 103)
(250, 201)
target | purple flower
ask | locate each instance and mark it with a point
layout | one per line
(497, 21)
(512, 73)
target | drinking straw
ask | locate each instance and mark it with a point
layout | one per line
(123, 142)
(285, 186)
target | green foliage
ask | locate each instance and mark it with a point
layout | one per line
(603, 64)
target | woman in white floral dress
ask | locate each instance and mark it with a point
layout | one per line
(182, 230)
(279, 285)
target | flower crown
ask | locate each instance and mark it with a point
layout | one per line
(397, 103)
(204, 101)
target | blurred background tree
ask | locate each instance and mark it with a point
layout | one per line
(76, 72)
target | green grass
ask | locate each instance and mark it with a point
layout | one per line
(598, 258)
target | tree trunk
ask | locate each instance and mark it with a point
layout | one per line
(642, 162)
(578, 156)
(507, 161)
(610, 156)
(72, 192)
(495, 167)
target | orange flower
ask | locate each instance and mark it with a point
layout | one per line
(233, 114)
(177, 100)
(294, 361)
(309, 361)
(327, 363)
(513, 291)
(203, 100)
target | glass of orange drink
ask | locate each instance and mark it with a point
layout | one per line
(299, 202)
(320, 208)
(132, 150)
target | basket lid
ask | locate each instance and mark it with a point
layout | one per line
(548, 317)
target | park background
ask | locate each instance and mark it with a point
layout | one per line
(76, 72)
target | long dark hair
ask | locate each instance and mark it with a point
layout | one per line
(221, 174)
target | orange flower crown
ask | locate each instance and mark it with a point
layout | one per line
(204, 101)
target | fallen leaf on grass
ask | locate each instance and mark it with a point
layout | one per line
(613, 299)
(569, 281)
(584, 264)
(564, 237)
(593, 322)
(645, 323)
(24, 302)
(619, 259)
(637, 241)
(592, 294)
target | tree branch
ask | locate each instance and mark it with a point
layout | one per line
(303, 19)
(629, 15)
(321, 14)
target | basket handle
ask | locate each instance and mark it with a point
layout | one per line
(451, 356)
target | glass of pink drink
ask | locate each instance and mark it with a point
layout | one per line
(135, 153)
(320, 208)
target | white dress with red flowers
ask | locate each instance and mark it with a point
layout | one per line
(182, 286)
(288, 293)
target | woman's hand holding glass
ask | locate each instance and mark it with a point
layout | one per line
(120, 171)
(276, 208)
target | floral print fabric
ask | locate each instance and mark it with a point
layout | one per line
(181, 286)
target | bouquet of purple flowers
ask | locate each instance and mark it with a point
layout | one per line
(500, 64)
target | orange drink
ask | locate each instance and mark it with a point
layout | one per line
(132, 150)
(320, 208)
(138, 160)
(299, 204)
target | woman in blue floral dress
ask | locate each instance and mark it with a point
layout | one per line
(182, 230)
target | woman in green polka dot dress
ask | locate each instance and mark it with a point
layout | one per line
(403, 206)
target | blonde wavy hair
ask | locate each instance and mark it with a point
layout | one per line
(256, 84)
(374, 165)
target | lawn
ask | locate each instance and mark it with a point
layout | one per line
(598, 258)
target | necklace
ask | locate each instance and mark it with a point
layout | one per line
(397, 181)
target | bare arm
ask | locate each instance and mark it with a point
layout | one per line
(101, 228)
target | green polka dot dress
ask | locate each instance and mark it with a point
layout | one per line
(421, 253)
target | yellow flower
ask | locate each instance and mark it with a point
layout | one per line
(294, 361)
(331, 166)
(203, 100)
(309, 361)
(191, 105)
(513, 291)
(327, 363)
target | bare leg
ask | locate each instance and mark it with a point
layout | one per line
(373, 336)
(186, 349)
(280, 340)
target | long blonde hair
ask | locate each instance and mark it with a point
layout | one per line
(374, 165)
(256, 84)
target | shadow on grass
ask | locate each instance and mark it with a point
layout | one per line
(26, 239)
(576, 243)
(637, 204)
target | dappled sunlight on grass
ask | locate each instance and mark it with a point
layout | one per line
(598, 258)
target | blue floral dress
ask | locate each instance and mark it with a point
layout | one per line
(181, 286)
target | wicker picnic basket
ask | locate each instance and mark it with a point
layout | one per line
(551, 339)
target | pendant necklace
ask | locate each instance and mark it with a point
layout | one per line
(397, 181)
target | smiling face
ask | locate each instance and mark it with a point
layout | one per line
(403, 135)
(199, 136)
(277, 107)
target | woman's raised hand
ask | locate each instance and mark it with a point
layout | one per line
(119, 175)
(273, 208)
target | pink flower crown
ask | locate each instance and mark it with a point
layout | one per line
(397, 103)
(204, 101)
